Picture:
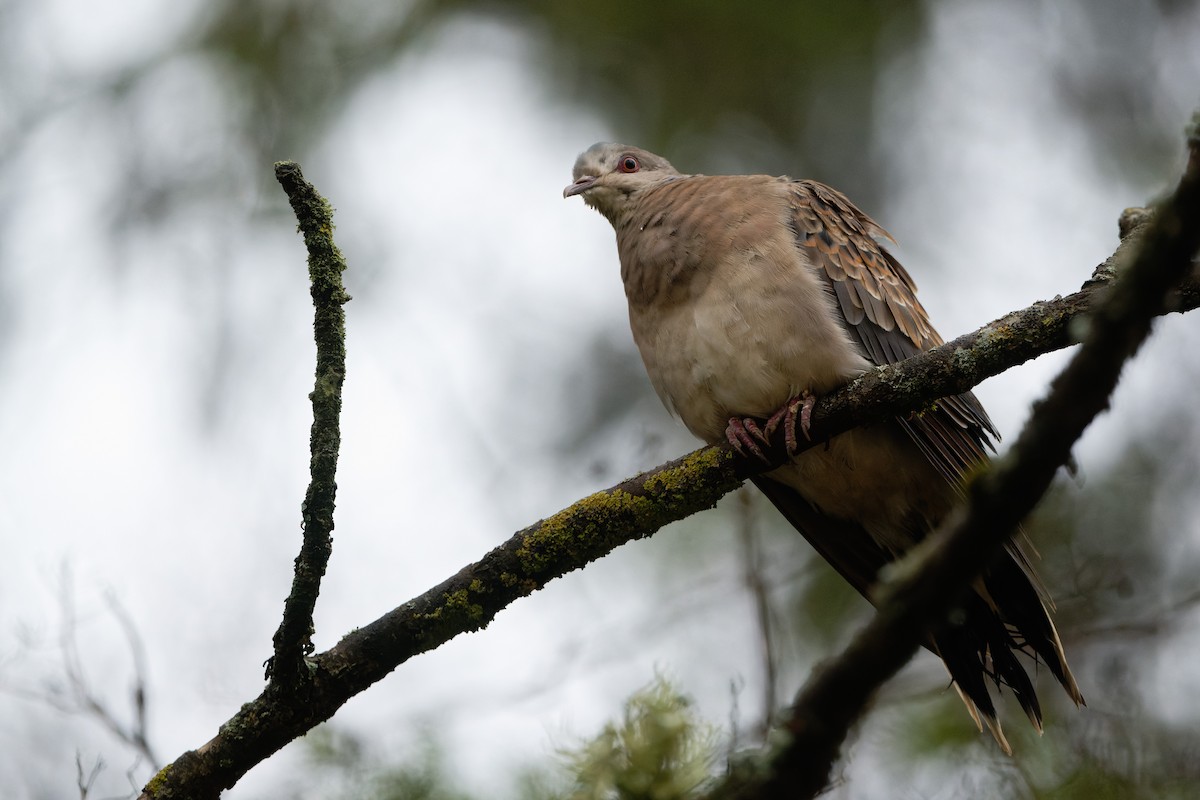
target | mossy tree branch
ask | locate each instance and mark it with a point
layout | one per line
(293, 639)
(596, 525)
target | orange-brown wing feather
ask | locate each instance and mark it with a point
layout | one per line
(878, 301)
(877, 298)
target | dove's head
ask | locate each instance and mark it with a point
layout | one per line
(609, 175)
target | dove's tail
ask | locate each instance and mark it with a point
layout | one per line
(1003, 616)
(1006, 613)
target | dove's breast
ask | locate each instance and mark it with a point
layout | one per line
(730, 318)
(732, 321)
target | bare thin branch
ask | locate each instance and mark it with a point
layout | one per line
(137, 734)
(753, 571)
(293, 639)
(76, 695)
(82, 782)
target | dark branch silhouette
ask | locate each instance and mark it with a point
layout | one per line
(923, 588)
(641, 505)
(293, 639)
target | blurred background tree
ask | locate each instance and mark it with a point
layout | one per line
(155, 360)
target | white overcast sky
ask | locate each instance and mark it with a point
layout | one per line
(472, 279)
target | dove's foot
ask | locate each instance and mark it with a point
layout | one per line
(747, 438)
(750, 437)
(798, 409)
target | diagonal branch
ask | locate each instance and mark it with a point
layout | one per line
(596, 525)
(926, 585)
(325, 265)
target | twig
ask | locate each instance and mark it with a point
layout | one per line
(85, 784)
(293, 639)
(138, 734)
(756, 583)
(77, 696)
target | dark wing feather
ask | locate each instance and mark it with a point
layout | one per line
(981, 645)
(880, 310)
(847, 547)
(878, 301)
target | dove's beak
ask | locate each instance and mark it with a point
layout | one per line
(580, 186)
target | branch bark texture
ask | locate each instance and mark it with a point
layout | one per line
(596, 525)
(293, 639)
(928, 583)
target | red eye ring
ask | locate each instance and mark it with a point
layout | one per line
(629, 164)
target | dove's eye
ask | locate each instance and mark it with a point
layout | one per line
(629, 164)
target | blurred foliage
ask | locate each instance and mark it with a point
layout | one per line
(1112, 81)
(342, 764)
(722, 86)
(660, 750)
(795, 80)
(775, 87)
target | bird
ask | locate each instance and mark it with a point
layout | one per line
(750, 295)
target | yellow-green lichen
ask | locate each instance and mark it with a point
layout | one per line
(680, 482)
(580, 532)
(461, 601)
(155, 785)
(570, 530)
(524, 586)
